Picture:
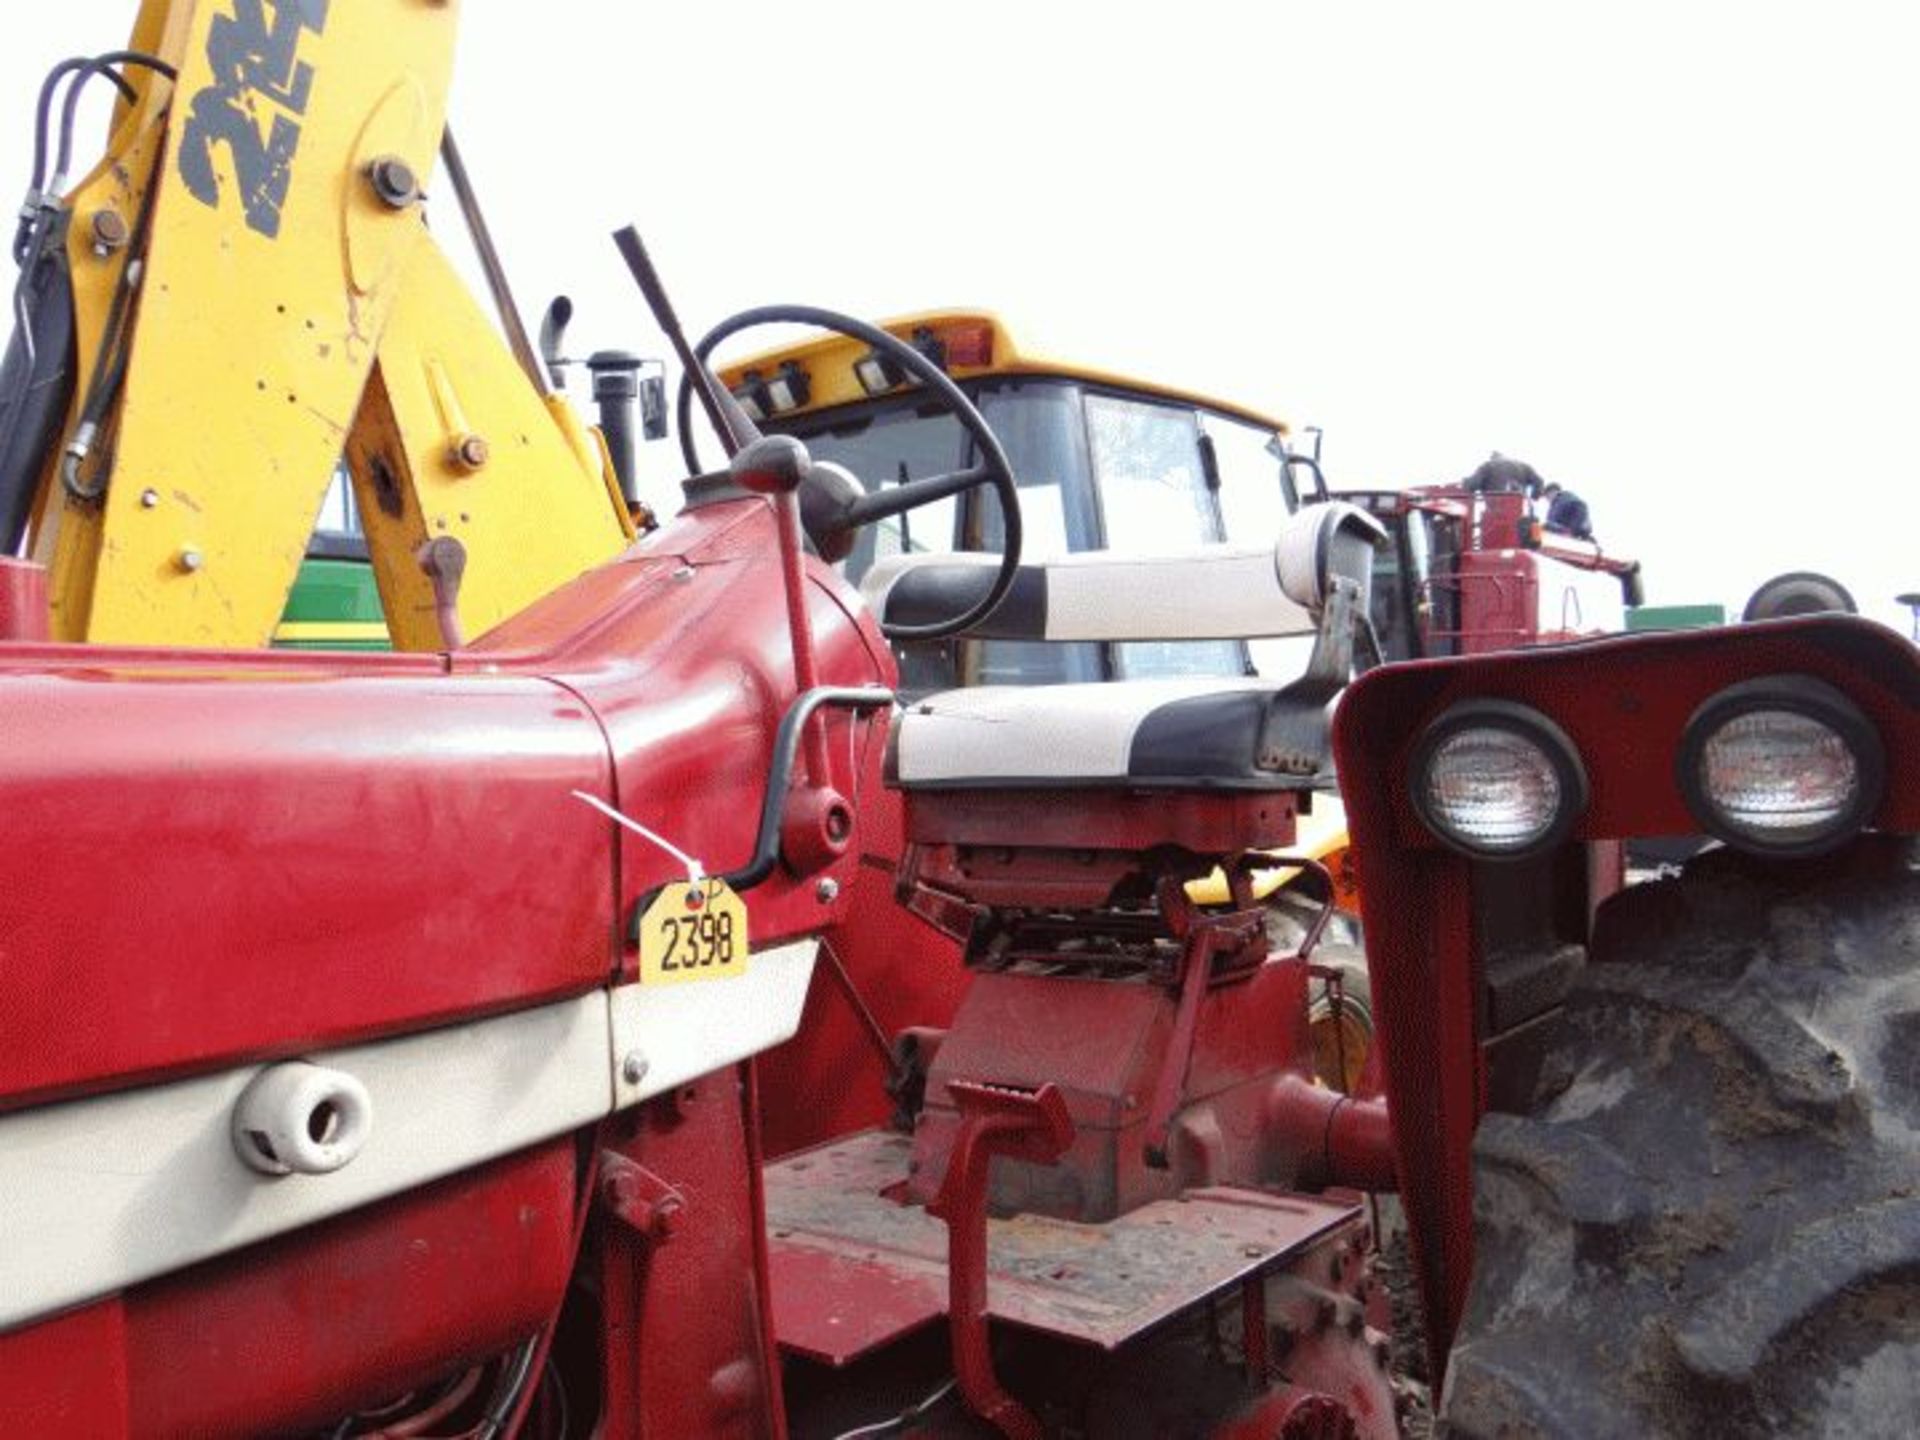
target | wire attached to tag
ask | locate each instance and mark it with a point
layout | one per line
(696, 873)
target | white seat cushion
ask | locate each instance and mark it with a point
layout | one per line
(1194, 734)
(1210, 592)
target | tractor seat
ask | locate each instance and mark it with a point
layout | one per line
(1205, 735)
(1199, 734)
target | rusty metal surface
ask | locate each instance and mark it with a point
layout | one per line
(835, 1307)
(870, 1270)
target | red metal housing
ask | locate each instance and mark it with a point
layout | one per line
(218, 859)
(1625, 703)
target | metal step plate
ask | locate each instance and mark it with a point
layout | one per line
(853, 1270)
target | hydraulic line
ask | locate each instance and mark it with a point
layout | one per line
(35, 233)
(109, 370)
(98, 65)
(37, 201)
(23, 318)
(490, 265)
(38, 231)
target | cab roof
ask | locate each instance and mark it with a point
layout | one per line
(977, 343)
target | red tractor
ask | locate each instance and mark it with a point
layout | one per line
(477, 1155)
(481, 1145)
(377, 1032)
(1468, 572)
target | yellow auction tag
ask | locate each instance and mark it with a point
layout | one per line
(693, 933)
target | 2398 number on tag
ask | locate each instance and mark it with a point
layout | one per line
(693, 934)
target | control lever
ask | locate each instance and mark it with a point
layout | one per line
(444, 559)
(730, 422)
(1030, 1125)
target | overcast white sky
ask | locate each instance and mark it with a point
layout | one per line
(1668, 253)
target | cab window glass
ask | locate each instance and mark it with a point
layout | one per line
(1039, 424)
(1154, 496)
(889, 448)
(1253, 502)
(1153, 486)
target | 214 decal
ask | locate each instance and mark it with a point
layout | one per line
(253, 60)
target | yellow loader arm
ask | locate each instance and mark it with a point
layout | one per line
(255, 293)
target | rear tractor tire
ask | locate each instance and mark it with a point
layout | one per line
(1340, 1017)
(1799, 592)
(1346, 1040)
(1707, 1222)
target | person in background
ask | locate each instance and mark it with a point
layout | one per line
(1567, 512)
(1501, 474)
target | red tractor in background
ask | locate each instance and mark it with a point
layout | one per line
(1466, 572)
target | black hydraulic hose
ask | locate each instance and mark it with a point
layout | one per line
(34, 233)
(33, 211)
(109, 367)
(38, 197)
(43, 111)
(35, 239)
(98, 65)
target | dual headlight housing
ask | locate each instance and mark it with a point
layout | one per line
(1782, 766)
(1785, 766)
(1497, 781)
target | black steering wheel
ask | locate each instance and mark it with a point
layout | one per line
(994, 468)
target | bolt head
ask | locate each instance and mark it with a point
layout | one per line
(469, 452)
(189, 560)
(393, 181)
(633, 1068)
(108, 231)
(149, 499)
(827, 891)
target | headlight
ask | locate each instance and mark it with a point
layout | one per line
(1785, 766)
(1497, 781)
